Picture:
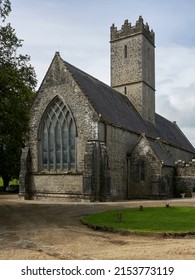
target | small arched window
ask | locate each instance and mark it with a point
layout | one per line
(58, 135)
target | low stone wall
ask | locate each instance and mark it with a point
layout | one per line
(185, 177)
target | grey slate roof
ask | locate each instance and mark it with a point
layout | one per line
(160, 153)
(116, 109)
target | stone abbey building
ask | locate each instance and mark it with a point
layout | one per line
(92, 141)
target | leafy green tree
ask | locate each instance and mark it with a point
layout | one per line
(17, 87)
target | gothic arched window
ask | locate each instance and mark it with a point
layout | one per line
(58, 135)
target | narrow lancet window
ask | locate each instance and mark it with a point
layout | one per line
(142, 171)
(125, 51)
(58, 134)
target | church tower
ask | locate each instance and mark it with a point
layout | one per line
(133, 65)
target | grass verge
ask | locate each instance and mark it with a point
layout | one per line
(167, 221)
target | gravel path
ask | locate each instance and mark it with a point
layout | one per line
(50, 230)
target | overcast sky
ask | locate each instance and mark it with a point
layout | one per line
(80, 31)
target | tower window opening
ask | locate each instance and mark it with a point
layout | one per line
(125, 51)
(125, 90)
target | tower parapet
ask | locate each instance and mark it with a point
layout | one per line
(128, 30)
(133, 65)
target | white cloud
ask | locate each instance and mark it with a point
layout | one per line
(175, 69)
(175, 66)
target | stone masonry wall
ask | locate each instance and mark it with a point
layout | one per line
(118, 142)
(142, 153)
(128, 70)
(96, 176)
(185, 177)
(53, 186)
(133, 66)
(157, 181)
(59, 82)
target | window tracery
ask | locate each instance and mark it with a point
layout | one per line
(58, 136)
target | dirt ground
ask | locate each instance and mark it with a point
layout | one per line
(52, 230)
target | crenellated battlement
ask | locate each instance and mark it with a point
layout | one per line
(128, 30)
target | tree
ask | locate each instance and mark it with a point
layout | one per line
(17, 87)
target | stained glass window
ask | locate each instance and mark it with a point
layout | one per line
(58, 135)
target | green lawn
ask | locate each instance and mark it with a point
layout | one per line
(151, 219)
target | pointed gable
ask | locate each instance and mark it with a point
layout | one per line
(145, 144)
(56, 73)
